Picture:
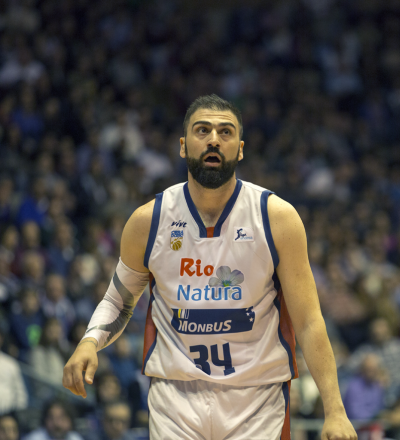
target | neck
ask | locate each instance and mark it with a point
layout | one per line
(210, 202)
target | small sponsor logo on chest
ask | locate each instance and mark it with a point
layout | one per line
(242, 233)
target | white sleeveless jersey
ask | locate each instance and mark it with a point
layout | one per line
(216, 310)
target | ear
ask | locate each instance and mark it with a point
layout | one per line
(241, 145)
(182, 150)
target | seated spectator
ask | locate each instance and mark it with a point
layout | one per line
(33, 270)
(57, 423)
(364, 398)
(62, 249)
(9, 242)
(47, 357)
(56, 304)
(116, 422)
(26, 322)
(31, 241)
(387, 348)
(34, 206)
(12, 387)
(8, 428)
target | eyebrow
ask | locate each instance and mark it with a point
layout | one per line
(222, 124)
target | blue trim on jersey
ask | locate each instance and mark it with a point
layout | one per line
(194, 212)
(155, 220)
(153, 345)
(285, 344)
(228, 208)
(285, 391)
(267, 227)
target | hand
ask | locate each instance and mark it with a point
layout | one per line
(338, 427)
(83, 359)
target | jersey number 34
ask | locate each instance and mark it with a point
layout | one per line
(201, 361)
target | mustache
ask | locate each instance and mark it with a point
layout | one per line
(212, 150)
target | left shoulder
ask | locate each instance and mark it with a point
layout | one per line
(285, 222)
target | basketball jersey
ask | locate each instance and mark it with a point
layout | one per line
(216, 309)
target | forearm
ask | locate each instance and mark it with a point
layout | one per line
(114, 311)
(320, 360)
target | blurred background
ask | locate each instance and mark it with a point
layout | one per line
(92, 100)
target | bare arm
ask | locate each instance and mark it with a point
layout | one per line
(301, 297)
(114, 311)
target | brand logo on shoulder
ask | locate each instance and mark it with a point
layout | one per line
(179, 224)
(176, 240)
(242, 233)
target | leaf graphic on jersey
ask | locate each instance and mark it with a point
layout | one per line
(226, 278)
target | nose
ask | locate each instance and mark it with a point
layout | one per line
(213, 140)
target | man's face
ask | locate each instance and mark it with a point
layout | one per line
(8, 429)
(57, 423)
(116, 421)
(212, 147)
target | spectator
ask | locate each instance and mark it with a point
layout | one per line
(387, 348)
(55, 302)
(34, 206)
(116, 422)
(8, 428)
(47, 358)
(26, 322)
(364, 398)
(57, 423)
(13, 392)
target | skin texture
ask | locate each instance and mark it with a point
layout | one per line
(293, 270)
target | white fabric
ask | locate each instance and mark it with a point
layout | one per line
(200, 410)
(113, 312)
(42, 434)
(257, 354)
(12, 387)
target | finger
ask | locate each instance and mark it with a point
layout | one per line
(90, 371)
(67, 380)
(78, 382)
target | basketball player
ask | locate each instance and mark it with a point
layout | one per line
(229, 274)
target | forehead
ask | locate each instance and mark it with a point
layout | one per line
(213, 116)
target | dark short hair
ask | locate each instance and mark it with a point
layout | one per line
(212, 102)
(66, 407)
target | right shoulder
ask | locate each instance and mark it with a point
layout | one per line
(135, 236)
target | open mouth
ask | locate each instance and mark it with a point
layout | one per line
(212, 159)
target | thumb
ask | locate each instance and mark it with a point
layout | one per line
(90, 371)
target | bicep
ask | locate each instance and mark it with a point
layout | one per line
(293, 270)
(135, 236)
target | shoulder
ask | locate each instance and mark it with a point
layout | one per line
(8, 361)
(135, 236)
(285, 222)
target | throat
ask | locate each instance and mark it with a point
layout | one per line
(210, 218)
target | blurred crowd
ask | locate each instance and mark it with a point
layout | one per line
(92, 100)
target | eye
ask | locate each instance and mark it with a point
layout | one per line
(226, 131)
(202, 130)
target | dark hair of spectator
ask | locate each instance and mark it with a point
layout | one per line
(68, 409)
(212, 102)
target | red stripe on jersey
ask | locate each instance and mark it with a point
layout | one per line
(287, 330)
(210, 232)
(150, 328)
(285, 435)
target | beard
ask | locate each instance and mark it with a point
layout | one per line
(211, 177)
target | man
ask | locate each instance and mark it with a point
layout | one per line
(219, 343)
(8, 428)
(57, 423)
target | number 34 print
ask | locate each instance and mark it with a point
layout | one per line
(201, 361)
